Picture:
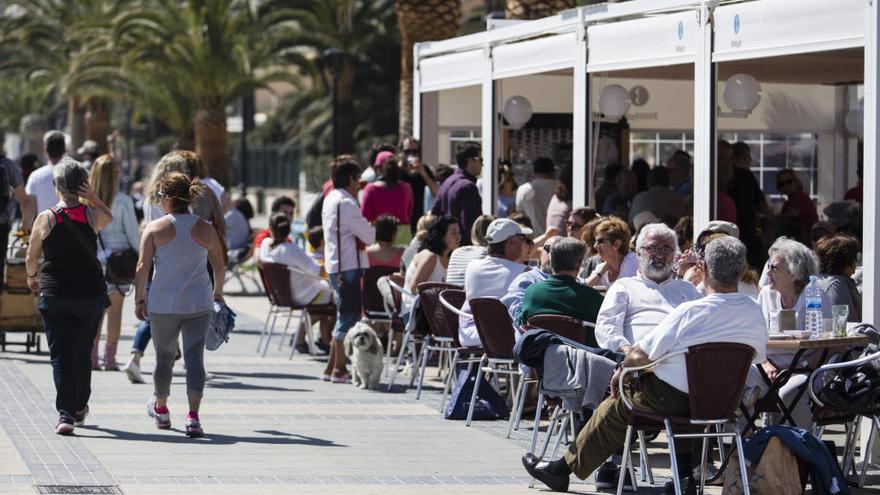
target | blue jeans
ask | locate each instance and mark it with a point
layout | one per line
(142, 335)
(70, 326)
(347, 288)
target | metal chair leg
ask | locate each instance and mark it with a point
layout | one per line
(476, 391)
(394, 371)
(265, 327)
(518, 400)
(415, 361)
(673, 461)
(300, 327)
(423, 365)
(310, 339)
(868, 451)
(450, 379)
(704, 457)
(537, 423)
(287, 328)
(269, 335)
(644, 461)
(625, 460)
(524, 391)
(742, 462)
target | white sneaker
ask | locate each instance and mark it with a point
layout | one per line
(133, 371)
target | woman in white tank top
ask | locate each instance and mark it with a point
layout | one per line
(444, 235)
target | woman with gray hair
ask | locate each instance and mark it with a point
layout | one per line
(71, 285)
(789, 268)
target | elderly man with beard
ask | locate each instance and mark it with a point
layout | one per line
(634, 306)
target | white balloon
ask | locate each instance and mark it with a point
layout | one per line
(742, 92)
(614, 101)
(517, 111)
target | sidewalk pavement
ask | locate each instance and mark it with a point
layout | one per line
(272, 426)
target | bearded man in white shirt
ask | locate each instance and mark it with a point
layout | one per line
(724, 315)
(633, 306)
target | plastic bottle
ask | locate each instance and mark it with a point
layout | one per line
(814, 320)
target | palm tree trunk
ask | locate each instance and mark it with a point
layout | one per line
(345, 118)
(97, 122)
(210, 130)
(420, 20)
(536, 9)
(76, 122)
(186, 141)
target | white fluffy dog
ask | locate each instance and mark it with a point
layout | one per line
(364, 349)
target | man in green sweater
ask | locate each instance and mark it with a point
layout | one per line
(561, 294)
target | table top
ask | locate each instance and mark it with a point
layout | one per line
(795, 344)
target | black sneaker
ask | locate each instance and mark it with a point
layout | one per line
(79, 418)
(606, 476)
(538, 470)
(688, 487)
(65, 425)
(302, 348)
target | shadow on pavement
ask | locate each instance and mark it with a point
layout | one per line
(177, 436)
(280, 376)
(246, 386)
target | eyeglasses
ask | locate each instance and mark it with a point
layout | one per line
(573, 226)
(662, 250)
(601, 240)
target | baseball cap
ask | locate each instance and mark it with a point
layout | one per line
(382, 157)
(721, 226)
(502, 229)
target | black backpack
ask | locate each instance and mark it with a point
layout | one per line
(855, 390)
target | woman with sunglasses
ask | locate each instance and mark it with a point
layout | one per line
(577, 219)
(612, 242)
(798, 204)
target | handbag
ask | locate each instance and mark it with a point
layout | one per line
(488, 406)
(121, 265)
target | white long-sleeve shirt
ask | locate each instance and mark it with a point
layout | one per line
(305, 277)
(633, 306)
(341, 219)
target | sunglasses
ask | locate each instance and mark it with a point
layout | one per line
(411, 151)
(601, 240)
(573, 225)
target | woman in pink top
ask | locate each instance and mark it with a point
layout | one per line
(388, 195)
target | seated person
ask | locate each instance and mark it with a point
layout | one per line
(492, 275)
(724, 315)
(316, 241)
(838, 256)
(513, 299)
(561, 294)
(463, 255)
(281, 204)
(305, 275)
(383, 252)
(789, 268)
(238, 228)
(633, 306)
(611, 240)
(444, 235)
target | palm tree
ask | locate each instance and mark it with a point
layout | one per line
(350, 26)
(67, 43)
(210, 52)
(420, 20)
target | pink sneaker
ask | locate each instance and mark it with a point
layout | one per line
(160, 414)
(194, 426)
(343, 378)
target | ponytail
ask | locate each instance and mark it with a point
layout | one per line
(279, 227)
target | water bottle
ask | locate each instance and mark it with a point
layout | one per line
(815, 320)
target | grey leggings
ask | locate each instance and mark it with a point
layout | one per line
(165, 329)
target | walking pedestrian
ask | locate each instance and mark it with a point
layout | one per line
(119, 236)
(177, 247)
(346, 234)
(72, 291)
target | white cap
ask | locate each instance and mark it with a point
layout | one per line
(502, 228)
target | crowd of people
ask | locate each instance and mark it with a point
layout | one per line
(631, 268)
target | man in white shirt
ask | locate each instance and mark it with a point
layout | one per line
(492, 275)
(722, 316)
(533, 197)
(633, 306)
(40, 185)
(346, 234)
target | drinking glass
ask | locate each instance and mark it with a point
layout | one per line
(839, 313)
(773, 324)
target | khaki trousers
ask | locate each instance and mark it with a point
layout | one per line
(605, 432)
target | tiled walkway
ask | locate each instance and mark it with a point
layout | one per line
(272, 427)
